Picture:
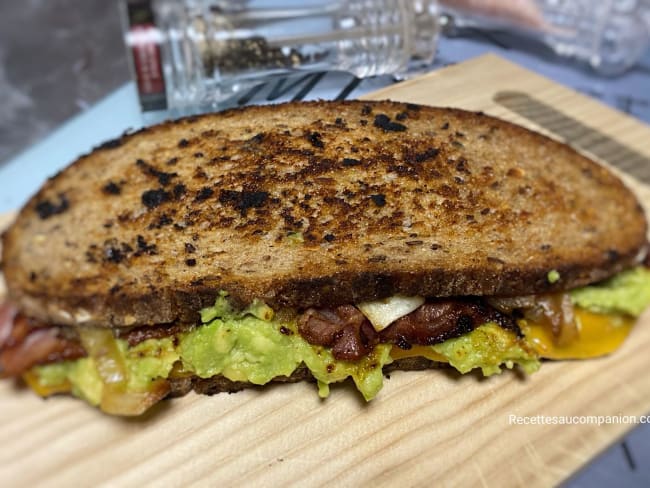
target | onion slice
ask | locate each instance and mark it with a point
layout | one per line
(102, 347)
(117, 401)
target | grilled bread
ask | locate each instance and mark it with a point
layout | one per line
(315, 204)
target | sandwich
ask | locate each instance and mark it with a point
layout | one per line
(320, 241)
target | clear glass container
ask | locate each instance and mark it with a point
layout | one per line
(190, 54)
(609, 35)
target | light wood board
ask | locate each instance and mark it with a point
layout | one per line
(424, 428)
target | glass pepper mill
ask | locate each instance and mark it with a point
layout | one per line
(196, 53)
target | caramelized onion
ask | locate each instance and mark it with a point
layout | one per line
(117, 401)
(554, 312)
(102, 347)
(557, 313)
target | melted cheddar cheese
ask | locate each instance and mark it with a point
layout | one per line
(599, 334)
(44, 390)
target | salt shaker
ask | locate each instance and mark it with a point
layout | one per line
(193, 54)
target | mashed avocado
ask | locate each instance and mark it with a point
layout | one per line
(256, 346)
(145, 362)
(626, 293)
(239, 348)
(366, 373)
(488, 347)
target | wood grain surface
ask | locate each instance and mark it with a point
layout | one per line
(424, 428)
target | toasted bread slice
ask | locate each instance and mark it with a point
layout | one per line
(311, 204)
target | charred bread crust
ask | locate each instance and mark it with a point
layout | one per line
(314, 204)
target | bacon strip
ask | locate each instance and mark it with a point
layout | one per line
(439, 320)
(7, 314)
(27, 344)
(351, 336)
(345, 329)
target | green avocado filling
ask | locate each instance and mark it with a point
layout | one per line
(626, 293)
(255, 345)
(144, 363)
(488, 347)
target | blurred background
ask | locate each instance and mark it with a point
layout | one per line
(58, 57)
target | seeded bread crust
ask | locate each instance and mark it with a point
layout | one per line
(315, 204)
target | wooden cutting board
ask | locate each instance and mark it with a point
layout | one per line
(424, 428)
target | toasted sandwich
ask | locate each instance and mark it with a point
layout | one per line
(316, 241)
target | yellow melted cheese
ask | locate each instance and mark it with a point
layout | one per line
(600, 334)
(32, 380)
